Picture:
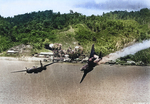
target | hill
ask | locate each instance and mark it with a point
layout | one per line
(109, 32)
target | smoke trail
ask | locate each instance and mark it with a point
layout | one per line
(126, 51)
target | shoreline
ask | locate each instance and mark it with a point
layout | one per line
(32, 59)
(37, 59)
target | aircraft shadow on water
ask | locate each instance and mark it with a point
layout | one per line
(35, 69)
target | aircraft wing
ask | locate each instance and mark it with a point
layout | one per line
(18, 71)
(49, 64)
(83, 77)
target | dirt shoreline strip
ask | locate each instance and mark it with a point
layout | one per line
(21, 58)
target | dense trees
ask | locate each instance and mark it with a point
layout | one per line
(108, 32)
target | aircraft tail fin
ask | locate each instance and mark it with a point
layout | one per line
(100, 55)
(92, 51)
(41, 63)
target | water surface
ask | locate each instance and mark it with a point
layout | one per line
(59, 84)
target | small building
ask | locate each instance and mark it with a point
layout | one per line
(12, 52)
(46, 54)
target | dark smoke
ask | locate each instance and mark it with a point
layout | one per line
(114, 5)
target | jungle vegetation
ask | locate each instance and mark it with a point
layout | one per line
(109, 32)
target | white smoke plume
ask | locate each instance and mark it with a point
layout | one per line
(126, 51)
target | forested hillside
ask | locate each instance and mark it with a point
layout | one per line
(109, 32)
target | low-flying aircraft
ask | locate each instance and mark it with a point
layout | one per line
(35, 69)
(92, 62)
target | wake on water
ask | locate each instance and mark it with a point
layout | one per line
(126, 51)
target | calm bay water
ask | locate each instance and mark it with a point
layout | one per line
(59, 84)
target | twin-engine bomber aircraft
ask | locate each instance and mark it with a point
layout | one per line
(35, 69)
(92, 62)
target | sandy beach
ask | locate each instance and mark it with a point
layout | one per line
(59, 84)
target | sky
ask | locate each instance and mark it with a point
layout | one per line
(10, 8)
